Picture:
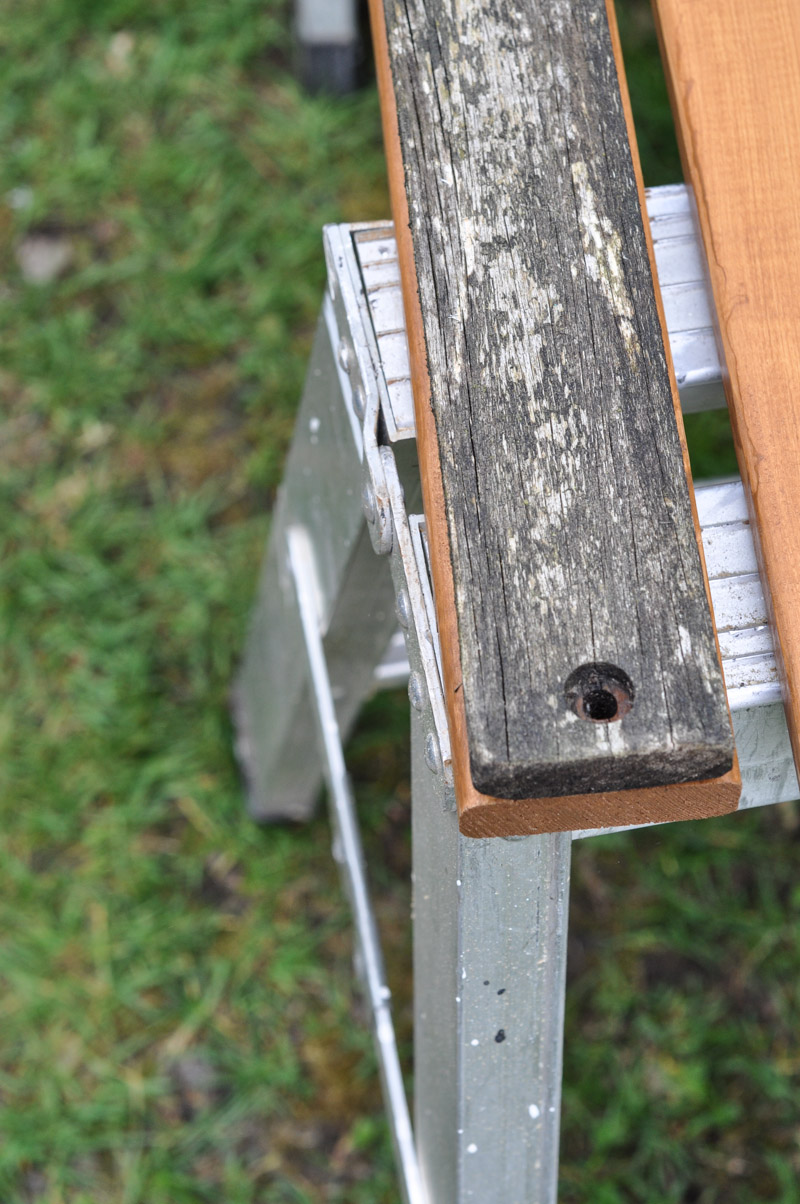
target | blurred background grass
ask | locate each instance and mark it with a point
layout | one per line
(177, 1016)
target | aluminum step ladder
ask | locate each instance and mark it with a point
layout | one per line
(345, 608)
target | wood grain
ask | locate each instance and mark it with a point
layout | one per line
(734, 74)
(547, 633)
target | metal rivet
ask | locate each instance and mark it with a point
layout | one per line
(379, 520)
(345, 356)
(359, 401)
(417, 693)
(368, 503)
(433, 756)
(403, 608)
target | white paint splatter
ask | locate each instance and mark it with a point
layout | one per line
(472, 1148)
(615, 737)
(602, 254)
(533, 1112)
(468, 242)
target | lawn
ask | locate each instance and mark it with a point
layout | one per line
(178, 1023)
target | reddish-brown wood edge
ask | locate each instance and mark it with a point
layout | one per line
(733, 73)
(479, 814)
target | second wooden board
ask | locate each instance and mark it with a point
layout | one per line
(734, 72)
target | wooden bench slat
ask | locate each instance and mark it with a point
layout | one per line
(553, 473)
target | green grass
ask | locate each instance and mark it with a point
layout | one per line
(177, 1017)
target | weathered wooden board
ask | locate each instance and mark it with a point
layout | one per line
(554, 475)
(734, 72)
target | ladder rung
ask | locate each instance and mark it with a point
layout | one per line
(684, 291)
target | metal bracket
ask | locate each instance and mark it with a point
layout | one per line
(359, 367)
(392, 530)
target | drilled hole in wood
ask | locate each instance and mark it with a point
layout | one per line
(600, 705)
(599, 692)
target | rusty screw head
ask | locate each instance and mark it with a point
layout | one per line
(599, 692)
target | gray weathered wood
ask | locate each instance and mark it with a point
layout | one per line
(570, 525)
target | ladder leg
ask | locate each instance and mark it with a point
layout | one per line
(272, 700)
(349, 853)
(490, 930)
